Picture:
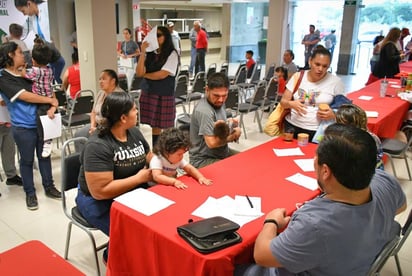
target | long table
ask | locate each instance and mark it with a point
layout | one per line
(391, 109)
(406, 67)
(150, 245)
(35, 258)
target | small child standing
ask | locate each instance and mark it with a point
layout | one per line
(282, 76)
(168, 157)
(42, 77)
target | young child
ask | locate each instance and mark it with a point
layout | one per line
(350, 114)
(250, 63)
(42, 77)
(282, 74)
(168, 157)
(223, 129)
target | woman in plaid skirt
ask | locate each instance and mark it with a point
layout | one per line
(158, 68)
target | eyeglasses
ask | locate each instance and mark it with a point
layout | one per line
(159, 35)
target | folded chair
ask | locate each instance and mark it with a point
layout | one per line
(70, 167)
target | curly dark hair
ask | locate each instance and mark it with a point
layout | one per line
(42, 54)
(170, 141)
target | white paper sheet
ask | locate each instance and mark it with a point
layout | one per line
(52, 128)
(365, 98)
(243, 208)
(144, 201)
(305, 165)
(4, 114)
(372, 114)
(304, 181)
(288, 152)
(126, 62)
(224, 207)
(152, 39)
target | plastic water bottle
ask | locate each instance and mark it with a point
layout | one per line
(383, 87)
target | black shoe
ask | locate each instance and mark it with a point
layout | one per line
(105, 255)
(15, 180)
(52, 192)
(31, 202)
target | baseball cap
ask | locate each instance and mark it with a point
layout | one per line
(170, 24)
(405, 31)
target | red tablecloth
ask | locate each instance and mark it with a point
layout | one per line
(406, 67)
(34, 258)
(150, 245)
(391, 109)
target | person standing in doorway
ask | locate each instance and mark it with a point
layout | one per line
(330, 42)
(310, 40)
(193, 38)
(201, 47)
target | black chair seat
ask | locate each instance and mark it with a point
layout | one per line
(393, 146)
(79, 218)
(245, 107)
(185, 119)
(194, 96)
(76, 120)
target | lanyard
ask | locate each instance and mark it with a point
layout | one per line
(39, 32)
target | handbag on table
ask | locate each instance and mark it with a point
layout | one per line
(274, 124)
(211, 234)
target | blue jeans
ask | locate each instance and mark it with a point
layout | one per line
(96, 212)
(193, 54)
(27, 140)
(57, 68)
(200, 60)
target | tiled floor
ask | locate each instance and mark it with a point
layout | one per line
(48, 223)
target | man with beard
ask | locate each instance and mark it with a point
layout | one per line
(343, 230)
(208, 148)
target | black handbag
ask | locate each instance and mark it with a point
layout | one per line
(211, 234)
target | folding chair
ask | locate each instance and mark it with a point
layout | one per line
(70, 167)
(79, 111)
(211, 70)
(394, 148)
(406, 230)
(181, 91)
(270, 72)
(198, 89)
(383, 256)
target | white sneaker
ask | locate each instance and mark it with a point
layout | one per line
(47, 148)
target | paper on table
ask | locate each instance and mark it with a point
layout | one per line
(288, 152)
(392, 82)
(4, 114)
(304, 181)
(366, 98)
(243, 207)
(151, 38)
(52, 128)
(306, 165)
(225, 207)
(372, 114)
(396, 86)
(144, 201)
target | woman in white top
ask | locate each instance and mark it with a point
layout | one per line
(317, 87)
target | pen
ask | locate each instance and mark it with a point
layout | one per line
(250, 202)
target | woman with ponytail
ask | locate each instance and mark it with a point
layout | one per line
(113, 161)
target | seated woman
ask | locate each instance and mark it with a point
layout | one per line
(317, 86)
(113, 161)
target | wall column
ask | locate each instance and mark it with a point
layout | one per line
(96, 38)
(347, 50)
(277, 31)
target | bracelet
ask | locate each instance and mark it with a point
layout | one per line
(271, 221)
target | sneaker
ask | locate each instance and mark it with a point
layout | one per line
(52, 192)
(47, 148)
(31, 202)
(105, 257)
(15, 180)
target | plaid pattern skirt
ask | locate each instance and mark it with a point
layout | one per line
(157, 111)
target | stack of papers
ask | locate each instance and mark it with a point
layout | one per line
(288, 152)
(236, 210)
(144, 201)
